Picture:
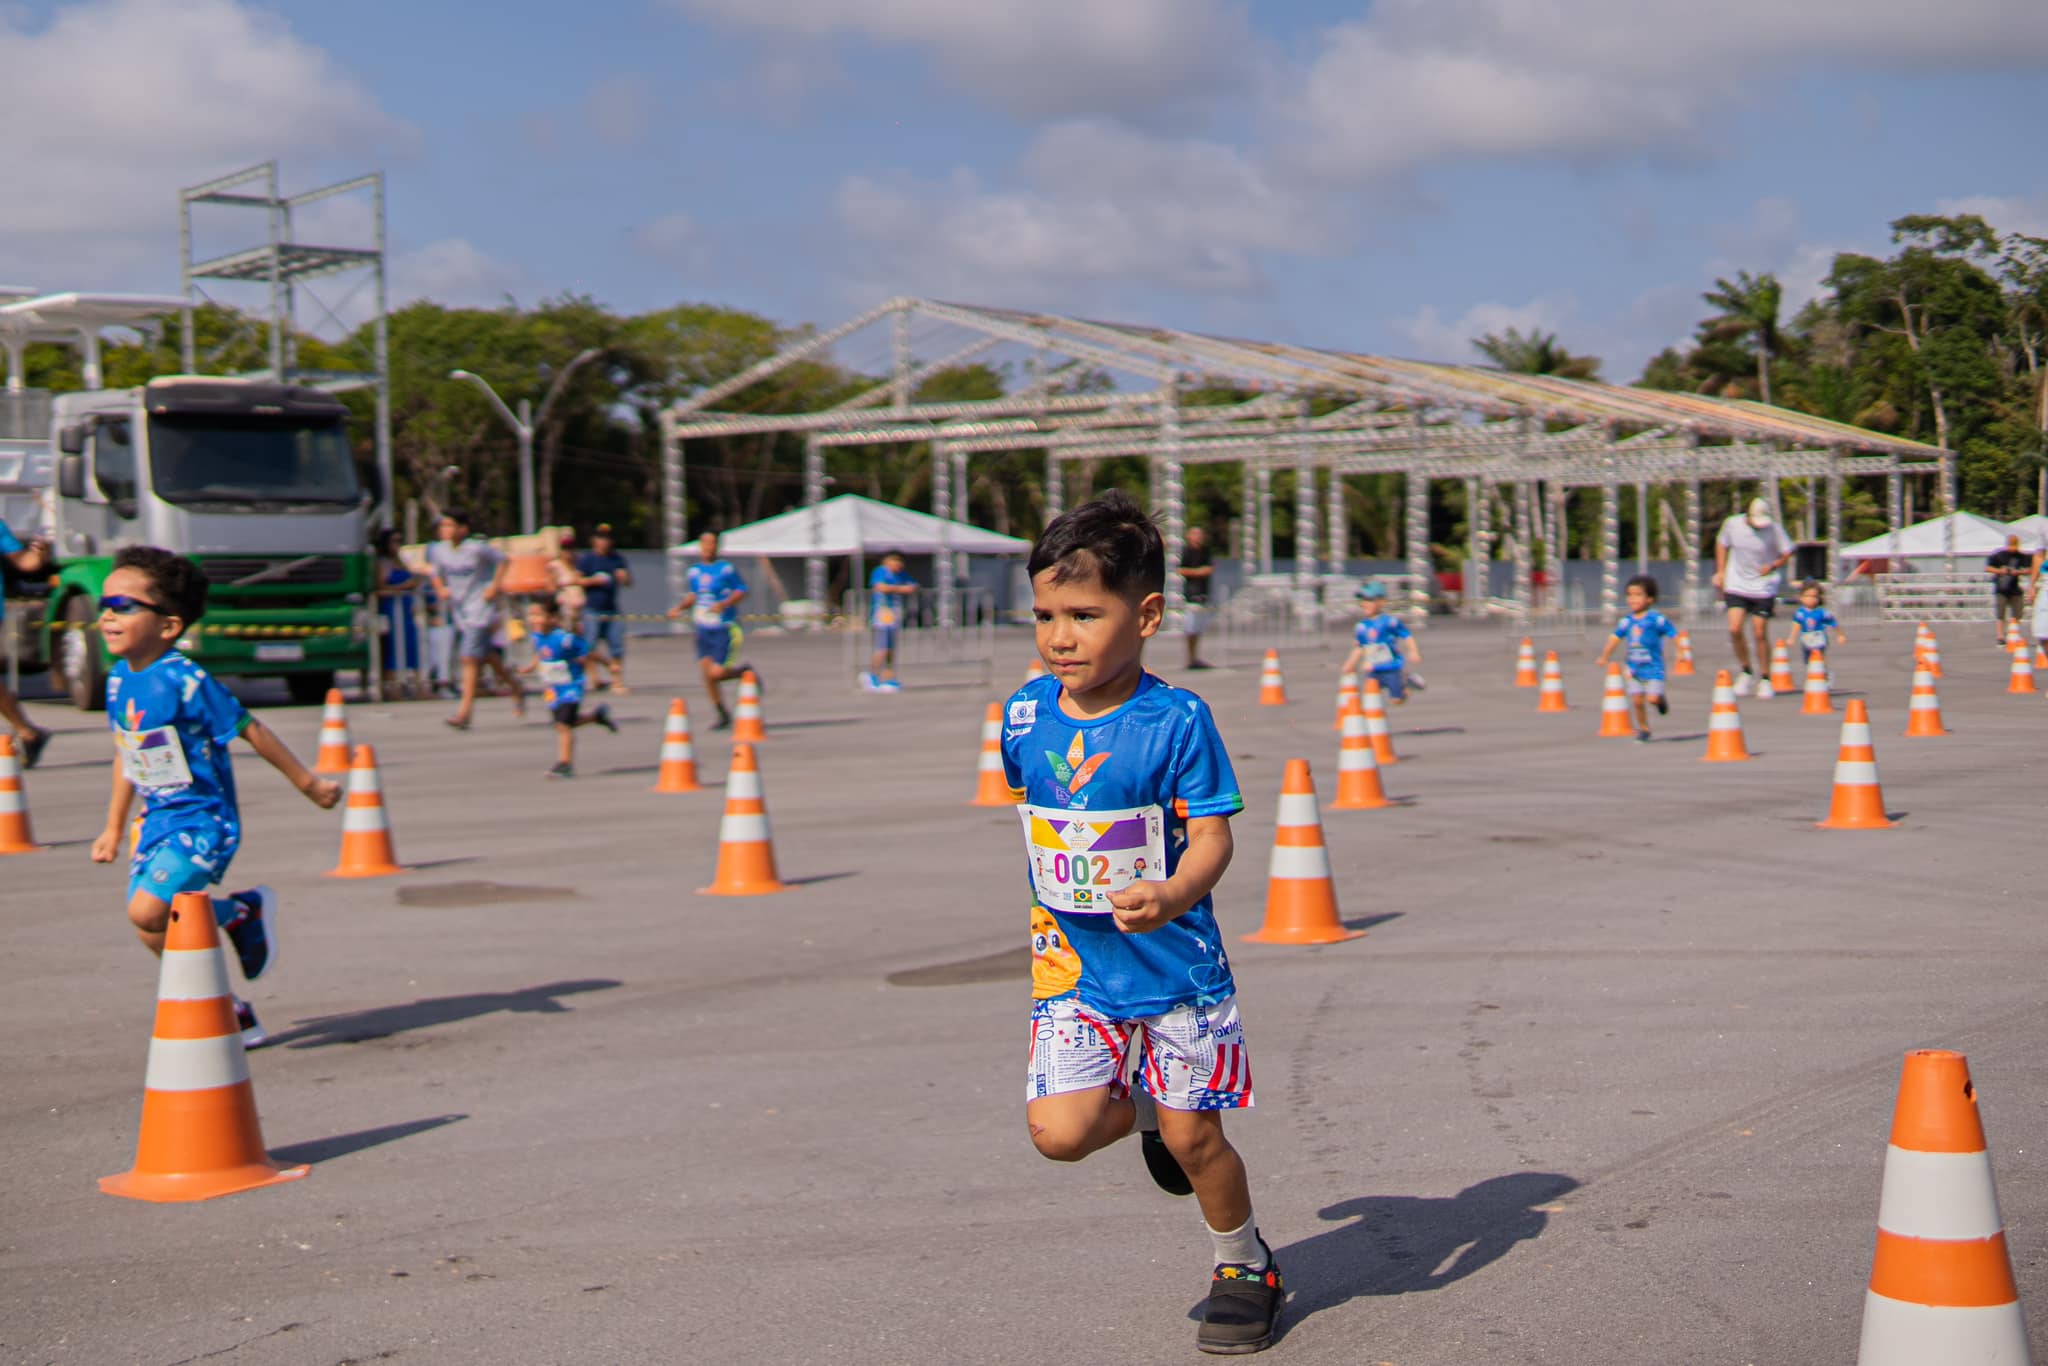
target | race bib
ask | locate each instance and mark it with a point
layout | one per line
(885, 616)
(1814, 640)
(707, 616)
(153, 758)
(555, 672)
(1638, 654)
(1379, 656)
(1079, 857)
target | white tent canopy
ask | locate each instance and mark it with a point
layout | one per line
(1974, 536)
(2032, 531)
(853, 525)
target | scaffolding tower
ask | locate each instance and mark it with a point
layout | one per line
(290, 268)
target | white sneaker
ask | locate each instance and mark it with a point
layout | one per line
(869, 683)
(1745, 683)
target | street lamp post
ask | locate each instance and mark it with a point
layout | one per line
(523, 424)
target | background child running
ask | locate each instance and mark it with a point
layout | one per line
(1811, 623)
(1645, 629)
(1383, 641)
(558, 655)
(172, 724)
(1128, 793)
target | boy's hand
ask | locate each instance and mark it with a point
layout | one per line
(323, 793)
(1143, 907)
(106, 846)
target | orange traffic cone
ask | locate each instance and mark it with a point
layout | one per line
(678, 755)
(1037, 669)
(365, 828)
(1550, 697)
(1272, 688)
(1923, 711)
(2040, 658)
(1374, 705)
(1818, 702)
(1781, 679)
(1347, 697)
(991, 788)
(1614, 722)
(746, 713)
(1358, 772)
(1301, 898)
(333, 759)
(1725, 744)
(1858, 802)
(2012, 634)
(2022, 671)
(1929, 656)
(15, 835)
(746, 851)
(1525, 664)
(199, 1136)
(1941, 1283)
(1683, 667)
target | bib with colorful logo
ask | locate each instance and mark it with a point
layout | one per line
(1078, 858)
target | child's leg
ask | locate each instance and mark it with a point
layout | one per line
(1195, 1137)
(150, 914)
(565, 742)
(1640, 703)
(1070, 1126)
(1394, 683)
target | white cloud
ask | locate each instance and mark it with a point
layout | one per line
(1048, 58)
(2027, 214)
(617, 110)
(132, 99)
(1432, 338)
(453, 271)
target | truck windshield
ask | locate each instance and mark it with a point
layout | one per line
(252, 464)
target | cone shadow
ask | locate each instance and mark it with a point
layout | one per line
(341, 1145)
(379, 1022)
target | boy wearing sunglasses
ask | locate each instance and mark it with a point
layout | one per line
(172, 724)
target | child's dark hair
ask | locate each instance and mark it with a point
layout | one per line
(459, 516)
(1646, 583)
(1813, 586)
(177, 584)
(1110, 540)
(546, 602)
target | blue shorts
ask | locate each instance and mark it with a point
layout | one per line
(719, 644)
(179, 862)
(885, 636)
(1393, 682)
(607, 629)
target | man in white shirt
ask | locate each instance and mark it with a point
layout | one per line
(1748, 554)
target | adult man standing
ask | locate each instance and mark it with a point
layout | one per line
(713, 601)
(32, 558)
(1748, 554)
(1195, 573)
(2005, 567)
(604, 572)
(469, 576)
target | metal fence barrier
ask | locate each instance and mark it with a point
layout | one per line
(921, 642)
(1935, 597)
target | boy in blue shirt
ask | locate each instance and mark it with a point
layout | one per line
(1383, 641)
(1811, 623)
(1127, 794)
(172, 724)
(558, 657)
(889, 590)
(1645, 629)
(713, 602)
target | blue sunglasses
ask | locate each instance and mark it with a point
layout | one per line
(121, 605)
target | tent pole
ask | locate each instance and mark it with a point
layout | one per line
(1834, 569)
(1415, 491)
(1248, 521)
(942, 508)
(672, 473)
(814, 497)
(1691, 595)
(1172, 505)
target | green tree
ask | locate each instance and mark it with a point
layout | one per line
(1536, 353)
(1749, 310)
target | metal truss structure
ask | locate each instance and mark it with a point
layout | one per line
(1519, 444)
(290, 269)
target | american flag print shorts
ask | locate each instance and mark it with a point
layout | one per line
(1190, 1058)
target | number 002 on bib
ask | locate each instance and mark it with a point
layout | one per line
(1079, 857)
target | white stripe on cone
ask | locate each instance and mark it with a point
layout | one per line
(195, 1064)
(743, 783)
(1899, 1334)
(357, 819)
(192, 975)
(1297, 808)
(746, 827)
(1937, 1195)
(1855, 773)
(1296, 862)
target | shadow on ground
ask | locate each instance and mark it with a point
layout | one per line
(360, 1026)
(341, 1145)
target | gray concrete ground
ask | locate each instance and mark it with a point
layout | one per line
(1608, 1082)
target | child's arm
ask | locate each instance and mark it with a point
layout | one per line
(319, 791)
(108, 844)
(1146, 905)
(529, 666)
(1353, 660)
(1606, 650)
(1412, 648)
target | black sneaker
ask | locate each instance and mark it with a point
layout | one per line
(1243, 1310)
(724, 721)
(1163, 1165)
(1663, 707)
(32, 746)
(254, 932)
(603, 717)
(1642, 737)
(252, 1032)
(561, 771)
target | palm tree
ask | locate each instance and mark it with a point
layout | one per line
(1535, 354)
(1749, 307)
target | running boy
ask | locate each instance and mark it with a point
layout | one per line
(1128, 794)
(889, 590)
(1811, 623)
(1645, 629)
(713, 602)
(1383, 639)
(558, 656)
(172, 725)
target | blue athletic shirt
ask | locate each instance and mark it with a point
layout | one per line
(1386, 630)
(714, 582)
(1810, 619)
(1159, 749)
(1646, 635)
(886, 609)
(172, 724)
(561, 656)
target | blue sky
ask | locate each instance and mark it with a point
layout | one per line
(1395, 177)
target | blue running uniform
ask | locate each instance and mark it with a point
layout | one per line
(885, 610)
(718, 631)
(172, 725)
(1813, 624)
(1645, 636)
(561, 654)
(1380, 637)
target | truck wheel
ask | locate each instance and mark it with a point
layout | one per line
(80, 663)
(308, 689)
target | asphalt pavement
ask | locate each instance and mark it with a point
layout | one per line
(1608, 1081)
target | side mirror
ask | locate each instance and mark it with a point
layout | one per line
(71, 471)
(71, 441)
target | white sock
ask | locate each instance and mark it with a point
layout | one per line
(1240, 1246)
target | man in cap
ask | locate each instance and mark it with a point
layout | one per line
(1748, 554)
(2005, 567)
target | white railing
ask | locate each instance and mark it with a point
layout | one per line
(1934, 597)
